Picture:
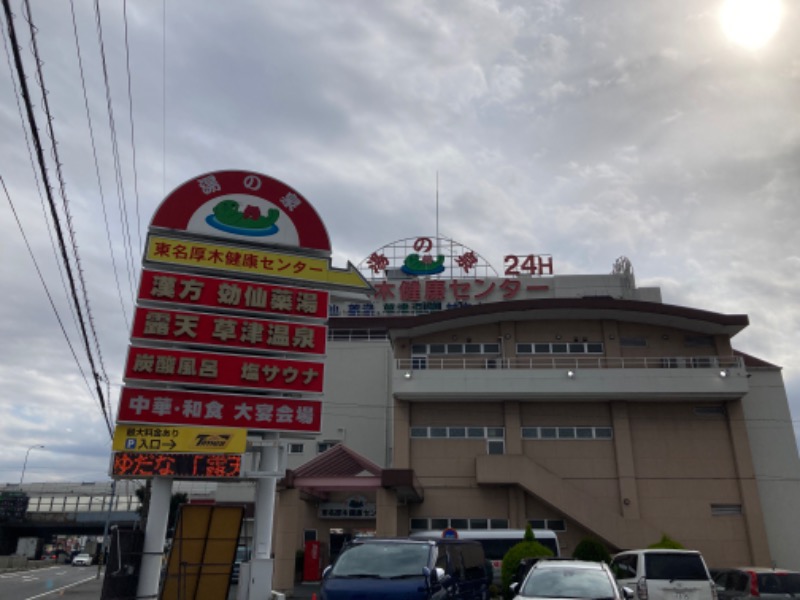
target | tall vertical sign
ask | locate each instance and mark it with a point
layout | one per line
(229, 332)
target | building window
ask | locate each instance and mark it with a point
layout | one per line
(295, 448)
(632, 342)
(498, 523)
(726, 510)
(324, 446)
(710, 411)
(566, 433)
(479, 523)
(552, 524)
(495, 446)
(438, 523)
(698, 341)
(419, 524)
(471, 348)
(458, 432)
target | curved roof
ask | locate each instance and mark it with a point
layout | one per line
(594, 308)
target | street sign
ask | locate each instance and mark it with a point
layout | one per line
(218, 409)
(157, 438)
(213, 369)
(244, 206)
(230, 295)
(251, 262)
(202, 329)
(188, 465)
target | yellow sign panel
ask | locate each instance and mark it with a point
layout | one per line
(252, 262)
(168, 438)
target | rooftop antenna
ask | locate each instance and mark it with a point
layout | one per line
(438, 250)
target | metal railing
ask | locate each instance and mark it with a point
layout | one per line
(571, 362)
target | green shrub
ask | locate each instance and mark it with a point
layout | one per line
(525, 549)
(667, 543)
(590, 549)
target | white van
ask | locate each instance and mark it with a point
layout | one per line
(662, 574)
(495, 542)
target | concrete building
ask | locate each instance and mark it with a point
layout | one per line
(593, 409)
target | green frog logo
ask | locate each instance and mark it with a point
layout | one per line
(427, 265)
(228, 217)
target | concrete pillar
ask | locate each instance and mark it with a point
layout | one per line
(513, 425)
(748, 487)
(402, 435)
(154, 537)
(626, 468)
(287, 538)
(386, 524)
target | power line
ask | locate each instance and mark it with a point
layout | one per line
(48, 191)
(97, 167)
(130, 114)
(123, 213)
(44, 284)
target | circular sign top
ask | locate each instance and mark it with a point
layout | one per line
(245, 206)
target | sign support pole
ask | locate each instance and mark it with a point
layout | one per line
(154, 536)
(262, 564)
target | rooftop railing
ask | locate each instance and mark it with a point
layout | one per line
(572, 362)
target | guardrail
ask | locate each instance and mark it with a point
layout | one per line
(567, 362)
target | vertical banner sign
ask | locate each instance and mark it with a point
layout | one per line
(230, 327)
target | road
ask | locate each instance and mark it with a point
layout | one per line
(47, 582)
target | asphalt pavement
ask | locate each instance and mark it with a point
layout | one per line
(92, 590)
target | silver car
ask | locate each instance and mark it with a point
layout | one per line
(574, 579)
(82, 560)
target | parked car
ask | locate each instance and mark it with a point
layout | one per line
(82, 560)
(664, 574)
(574, 579)
(409, 569)
(747, 583)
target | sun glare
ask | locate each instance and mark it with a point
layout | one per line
(751, 23)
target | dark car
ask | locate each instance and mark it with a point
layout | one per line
(407, 569)
(747, 583)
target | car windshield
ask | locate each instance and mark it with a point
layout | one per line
(389, 560)
(779, 583)
(568, 582)
(686, 567)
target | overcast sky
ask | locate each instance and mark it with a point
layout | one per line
(586, 130)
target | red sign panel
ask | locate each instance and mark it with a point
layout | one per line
(231, 294)
(223, 370)
(243, 205)
(146, 464)
(189, 328)
(181, 407)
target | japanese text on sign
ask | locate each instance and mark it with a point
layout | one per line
(206, 466)
(252, 262)
(227, 370)
(217, 330)
(161, 438)
(178, 407)
(196, 290)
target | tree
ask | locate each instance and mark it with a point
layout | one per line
(591, 549)
(175, 502)
(667, 543)
(527, 548)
